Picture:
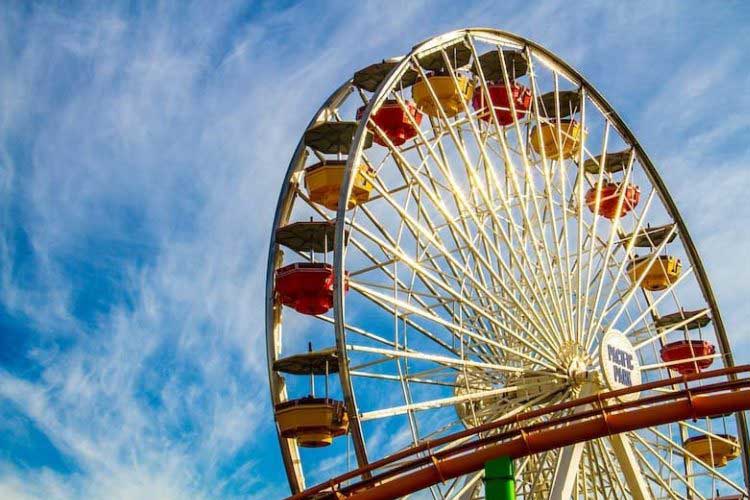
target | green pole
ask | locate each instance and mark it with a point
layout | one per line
(499, 479)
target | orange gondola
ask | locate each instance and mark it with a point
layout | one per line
(609, 199)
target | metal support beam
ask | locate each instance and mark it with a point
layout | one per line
(538, 441)
(569, 459)
(566, 471)
(629, 466)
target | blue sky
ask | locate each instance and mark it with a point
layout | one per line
(142, 147)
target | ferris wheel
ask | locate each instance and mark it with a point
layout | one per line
(470, 232)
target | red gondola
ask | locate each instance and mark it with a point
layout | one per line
(687, 350)
(394, 121)
(306, 286)
(499, 97)
(610, 195)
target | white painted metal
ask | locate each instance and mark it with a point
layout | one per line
(480, 284)
(629, 465)
(569, 459)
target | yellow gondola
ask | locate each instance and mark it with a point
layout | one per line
(715, 451)
(571, 133)
(664, 271)
(313, 422)
(448, 95)
(323, 183)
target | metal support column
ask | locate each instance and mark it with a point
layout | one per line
(499, 479)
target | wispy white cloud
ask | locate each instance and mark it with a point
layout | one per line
(141, 153)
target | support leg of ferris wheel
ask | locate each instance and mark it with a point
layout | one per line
(629, 466)
(569, 460)
(566, 471)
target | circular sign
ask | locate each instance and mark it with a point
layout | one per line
(619, 363)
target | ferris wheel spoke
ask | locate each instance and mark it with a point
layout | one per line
(460, 251)
(416, 379)
(634, 287)
(440, 403)
(433, 231)
(592, 230)
(711, 470)
(546, 168)
(611, 245)
(454, 328)
(677, 326)
(483, 301)
(418, 328)
(441, 300)
(580, 226)
(628, 463)
(392, 258)
(379, 266)
(427, 277)
(592, 473)
(442, 360)
(566, 471)
(656, 477)
(518, 260)
(611, 472)
(565, 265)
(467, 163)
(424, 232)
(666, 463)
(510, 169)
(600, 472)
(391, 310)
(551, 282)
(359, 331)
(472, 174)
(551, 285)
(567, 466)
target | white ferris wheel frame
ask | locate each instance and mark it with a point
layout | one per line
(290, 452)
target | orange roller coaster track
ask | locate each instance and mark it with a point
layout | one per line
(451, 456)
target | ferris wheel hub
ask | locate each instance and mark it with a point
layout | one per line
(576, 363)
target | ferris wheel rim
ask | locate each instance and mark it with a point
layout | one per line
(355, 154)
(290, 455)
(339, 249)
